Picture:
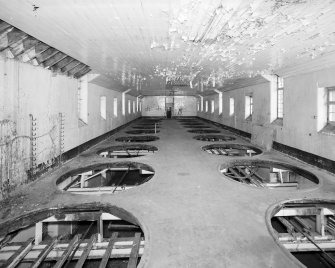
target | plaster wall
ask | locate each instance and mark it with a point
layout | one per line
(303, 113)
(26, 89)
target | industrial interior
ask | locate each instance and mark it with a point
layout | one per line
(165, 133)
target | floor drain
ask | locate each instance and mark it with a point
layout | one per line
(69, 236)
(214, 138)
(232, 150)
(142, 131)
(306, 229)
(201, 131)
(274, 175)
(137, 138)
(127, 151)
(106, 178)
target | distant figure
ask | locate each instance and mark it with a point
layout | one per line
(168, 113)
(180, 111)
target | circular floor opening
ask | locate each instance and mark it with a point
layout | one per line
(197, 126)
(142, 131)
(146, 127)
(192, 124)
(269, 174)
(306, 229)
(201, 131)
(105, 178)
(214, 138)
(88, 236)
(137, 138)
(232, 150)
(127, 151)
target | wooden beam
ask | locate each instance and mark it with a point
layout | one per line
(86, 251)
(12, 37)
(44, 253)
(108, 251)
(67, 252)
(70, 66)
(21, 46)
(16, 258)
(4, 26)
(76, 69)
(62, 63)
(82, 72)
(46, 54)
(36, 50)
(54, 59)
(132, 263)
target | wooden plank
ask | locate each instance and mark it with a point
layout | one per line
(70, 66)
(4, 26)
(46, 55)
(108, 251)
(76, 69)
(82, 72)
(54, 59)
(132, 263)
(253, 180)
(236, 175)
(59, 65)
(16, 258)
(44, 253)
(67, 252)
(12, 37)
(86, 251)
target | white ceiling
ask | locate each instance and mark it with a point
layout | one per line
(143, 43)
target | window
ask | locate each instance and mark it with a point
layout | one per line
(231, 106)
(115, 107)
(206, 106)
(198, 106)
(140, 106)
(212, 106)
(280, 103)
(134, 106)
(103, 107)
(248, 107)
(220, 103)
(331, 105)
(129, 107)
(82, 99)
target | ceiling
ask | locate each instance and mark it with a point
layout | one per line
(155, 46)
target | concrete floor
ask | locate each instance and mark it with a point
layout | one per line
(192, 216)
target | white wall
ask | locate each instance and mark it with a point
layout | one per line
(183, 105)
(301, 123)
(26, 89)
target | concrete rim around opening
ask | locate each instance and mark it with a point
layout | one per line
(230, 147)
(275, 208)
(214, 138)
(137, 138)
(85, 180)
(29, 219)
(132, 149)
(311, 180)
